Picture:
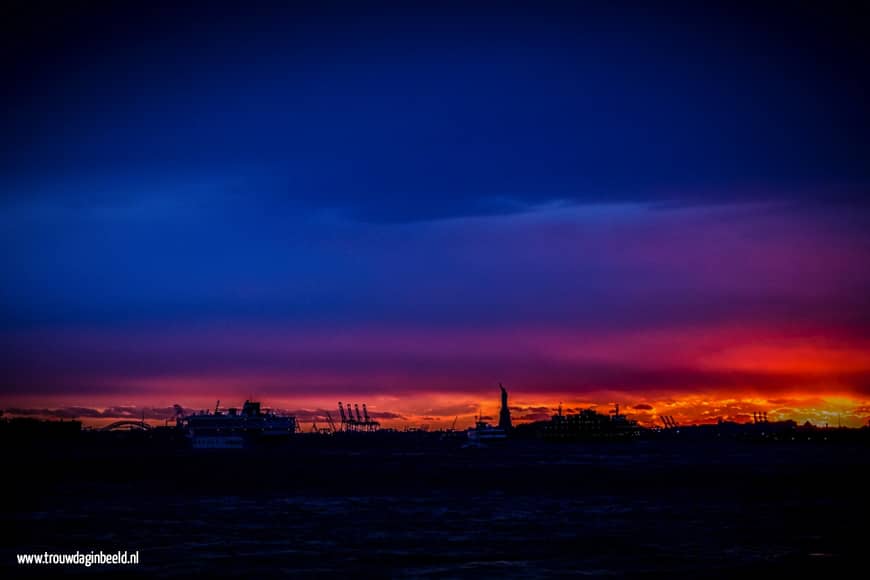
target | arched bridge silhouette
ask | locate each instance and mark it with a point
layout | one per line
(128, 424)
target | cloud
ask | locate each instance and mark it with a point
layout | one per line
(405, 360)
(534, 417)
(643, 407)
(457, 409)
(532, 409)
(563, 299)
(307, 415)
(385, 415)
(117, 412)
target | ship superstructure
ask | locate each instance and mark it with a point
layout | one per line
(589, 424)
(236, 428)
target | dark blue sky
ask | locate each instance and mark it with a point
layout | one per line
(408, 112)
(423, 169)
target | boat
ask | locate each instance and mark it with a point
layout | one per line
(483, 433)
(236, 429)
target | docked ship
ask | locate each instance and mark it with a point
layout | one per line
(589, 424)
(236, 428)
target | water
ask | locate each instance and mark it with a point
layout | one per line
(640, 509)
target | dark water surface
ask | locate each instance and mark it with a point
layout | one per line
(433, 510)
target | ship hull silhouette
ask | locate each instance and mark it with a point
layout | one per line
(237, 429)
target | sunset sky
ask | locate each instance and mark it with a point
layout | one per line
(402, 205)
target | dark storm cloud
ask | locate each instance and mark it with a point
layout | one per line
(626, 265)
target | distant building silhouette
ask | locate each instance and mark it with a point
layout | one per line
(504, 416)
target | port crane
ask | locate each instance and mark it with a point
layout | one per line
(668, 421)
(354, 420)
(330, 421)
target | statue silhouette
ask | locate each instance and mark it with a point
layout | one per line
(504, 416)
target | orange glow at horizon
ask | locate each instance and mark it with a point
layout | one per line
(438, 410)
(418, 377)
